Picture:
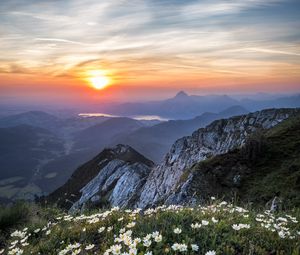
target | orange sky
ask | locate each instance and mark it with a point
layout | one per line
(147, 49)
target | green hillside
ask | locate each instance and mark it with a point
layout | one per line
(268, 163)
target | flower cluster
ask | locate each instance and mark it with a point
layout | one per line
(157, 230)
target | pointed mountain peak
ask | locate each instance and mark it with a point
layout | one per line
(181, 94)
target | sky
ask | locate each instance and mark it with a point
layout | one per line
(50, 49)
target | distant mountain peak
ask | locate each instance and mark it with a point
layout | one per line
(181, 94)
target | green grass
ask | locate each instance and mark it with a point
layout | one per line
(64, 234)
(21, 215)
(11, 217)
(268, 163)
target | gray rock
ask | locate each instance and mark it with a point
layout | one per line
(118, 182)
(219, 137)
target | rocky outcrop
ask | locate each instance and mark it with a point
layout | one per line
(114, 177)
(266, 165)
(219, 137)
(118, 183)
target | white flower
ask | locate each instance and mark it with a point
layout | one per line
(177, 230)
(48, 232)
(237, 227)
(214, 220)
(149, 253)
(179, 247)
(137, 240)
(205, 222)
(175, 246)
(158, 238)
(131, 225)
(210, 253)
(155, 233)
(196, 225)
(14, 242)
(122, 230)
(37, 230)
(116, 249)
(19, 234)
(147, 242)
(89, 247)
(93, 220)
(195, 247)
(100, 230)
(16, 251)
(75, 252)
(281, 234)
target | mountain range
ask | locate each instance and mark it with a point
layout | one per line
(184, 106)
(40, 151)
(173, 180)
(79, 139)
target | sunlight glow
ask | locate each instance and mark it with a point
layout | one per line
(98, 80)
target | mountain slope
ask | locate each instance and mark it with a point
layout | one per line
(268, 163)
(23, 151)
(219, 137)
(115, 175)
(33, 118)
(98, 136)
(280, 102)
(154, 142)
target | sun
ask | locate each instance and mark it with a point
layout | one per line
(99, 82)
(98, 79)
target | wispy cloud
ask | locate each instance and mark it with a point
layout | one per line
(62, 41)
(145, 38)
(271, 51)
(213, 8)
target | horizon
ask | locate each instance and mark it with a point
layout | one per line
(83, 52)
(93, 106)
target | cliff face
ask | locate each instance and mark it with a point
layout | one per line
(219, 137)
(118, 184)
(113, 177)
(267, 164)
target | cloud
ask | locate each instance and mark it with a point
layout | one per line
(147, 36)
(271, 51)
(61, 41)
(213, 8)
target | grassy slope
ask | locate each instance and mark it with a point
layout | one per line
(216, 233)
(269, 163)
(278, 168)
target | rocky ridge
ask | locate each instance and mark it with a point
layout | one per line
(113, 177)
(219, 137)
(122, 177)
